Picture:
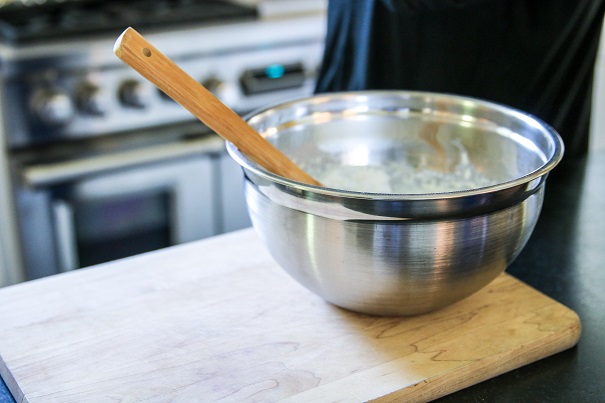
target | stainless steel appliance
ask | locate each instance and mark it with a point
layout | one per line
(103, 165)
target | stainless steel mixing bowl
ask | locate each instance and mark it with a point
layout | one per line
(399, 254)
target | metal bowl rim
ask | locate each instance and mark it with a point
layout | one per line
(249, 165)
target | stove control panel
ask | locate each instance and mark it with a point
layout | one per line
(109, 97)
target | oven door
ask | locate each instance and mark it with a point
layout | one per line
(77, 214)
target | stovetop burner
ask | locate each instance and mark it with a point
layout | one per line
(70, 19)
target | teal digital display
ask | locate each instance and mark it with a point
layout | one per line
(275, 71)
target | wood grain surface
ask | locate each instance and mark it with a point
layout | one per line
(134, 50)
(218, 320)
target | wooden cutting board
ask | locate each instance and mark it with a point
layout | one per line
(219, 320)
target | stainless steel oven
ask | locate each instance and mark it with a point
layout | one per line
(103, 165)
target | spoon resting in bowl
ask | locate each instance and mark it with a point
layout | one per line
(134, 50)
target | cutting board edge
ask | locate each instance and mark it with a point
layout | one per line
(11, 382)
(475, 372)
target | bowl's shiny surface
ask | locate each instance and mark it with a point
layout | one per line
(399, 254)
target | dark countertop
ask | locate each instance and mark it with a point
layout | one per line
(562, 259)
(565, 259)
(5, 395)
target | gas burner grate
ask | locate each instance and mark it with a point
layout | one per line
(73, 19)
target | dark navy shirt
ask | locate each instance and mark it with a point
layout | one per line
(534, 55)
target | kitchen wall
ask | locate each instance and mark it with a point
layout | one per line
(9, 274)
(597, 130)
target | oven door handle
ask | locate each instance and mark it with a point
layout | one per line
(41, 175)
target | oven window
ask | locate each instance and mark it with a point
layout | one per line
(114, 228)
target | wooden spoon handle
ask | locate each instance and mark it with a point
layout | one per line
(152, 64)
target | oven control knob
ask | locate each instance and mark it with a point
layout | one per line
(52, 106)
(213, 84)
(92, 100)
(135, 94)
(221, 89)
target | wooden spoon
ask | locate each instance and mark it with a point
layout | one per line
(139, 54)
